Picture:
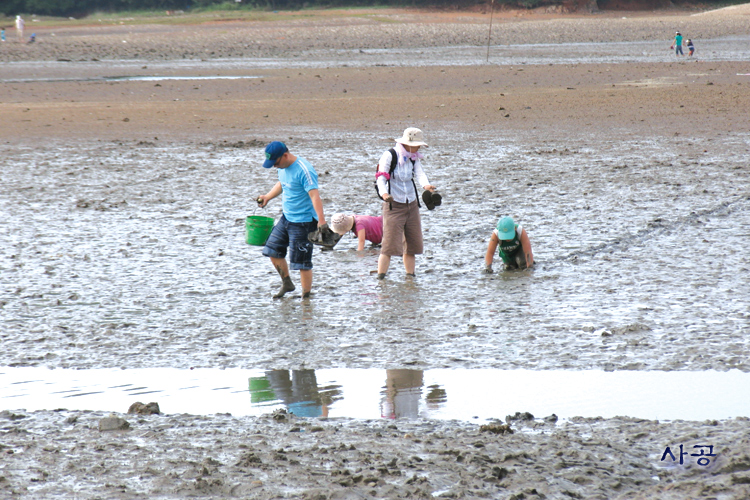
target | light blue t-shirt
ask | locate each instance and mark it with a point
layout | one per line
(296, 180)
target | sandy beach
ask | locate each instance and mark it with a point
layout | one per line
(112, 133)
(462, 97)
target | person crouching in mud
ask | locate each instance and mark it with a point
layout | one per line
(364, 227)
(512, 244)
(302, 214)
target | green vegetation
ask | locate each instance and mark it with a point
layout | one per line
(194, 16)
(147, 10)
(84, 8)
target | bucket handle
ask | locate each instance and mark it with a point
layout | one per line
(256, 208)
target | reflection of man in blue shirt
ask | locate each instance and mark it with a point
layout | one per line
(300, 393)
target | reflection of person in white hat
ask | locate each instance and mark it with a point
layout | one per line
(402, 225)
(366, 227)
(512, 244)
(20, 24)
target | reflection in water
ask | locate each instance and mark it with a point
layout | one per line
(401, 395)
(436, 397)
(352, 393)
(299, 393)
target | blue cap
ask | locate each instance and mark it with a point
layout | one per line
(506, 228)
(274, 151)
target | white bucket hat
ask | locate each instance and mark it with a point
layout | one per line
(412, 137)
(342, 223)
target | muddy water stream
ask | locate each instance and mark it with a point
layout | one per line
(132, 255)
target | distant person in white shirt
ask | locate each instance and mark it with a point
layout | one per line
(19, 28)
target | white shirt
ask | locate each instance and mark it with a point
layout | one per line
(402, 188)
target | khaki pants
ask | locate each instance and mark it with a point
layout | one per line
(402, 229)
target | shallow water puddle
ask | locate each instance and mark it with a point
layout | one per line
(161, 78)
(470, 395)
(129, 79)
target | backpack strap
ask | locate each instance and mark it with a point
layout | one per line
(416, 193)
(394, 162)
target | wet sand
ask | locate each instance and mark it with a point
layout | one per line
(698, 96)
(661, 143)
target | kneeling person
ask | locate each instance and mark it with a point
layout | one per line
(512, 244)
(365, 227)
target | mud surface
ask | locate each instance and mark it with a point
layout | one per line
(131, 254)
(122, 207)
(64, 454)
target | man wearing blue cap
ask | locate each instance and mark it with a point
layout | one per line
(512, 244)
(303, 214)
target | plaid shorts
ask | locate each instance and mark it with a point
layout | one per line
(292, 235)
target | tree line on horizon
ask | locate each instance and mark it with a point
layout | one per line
(81, 8)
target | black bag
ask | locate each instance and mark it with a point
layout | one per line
(394, 162)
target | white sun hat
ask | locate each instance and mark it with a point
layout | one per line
(412, 137)
(342, 223)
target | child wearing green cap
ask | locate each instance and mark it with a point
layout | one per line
(512, 244)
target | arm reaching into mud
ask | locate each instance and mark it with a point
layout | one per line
(526, 245)
(490, 256)
(360, 240)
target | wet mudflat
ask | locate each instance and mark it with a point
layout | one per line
(133, 255)
(64, 454)
(122, 208)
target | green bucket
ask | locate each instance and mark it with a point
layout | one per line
(260, 390)
(257, 229)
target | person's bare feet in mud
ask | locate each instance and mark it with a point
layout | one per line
(286, 286)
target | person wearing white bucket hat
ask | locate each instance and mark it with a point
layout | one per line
(402, 225)
(365, 227)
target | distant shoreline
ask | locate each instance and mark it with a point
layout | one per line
(291, 34)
